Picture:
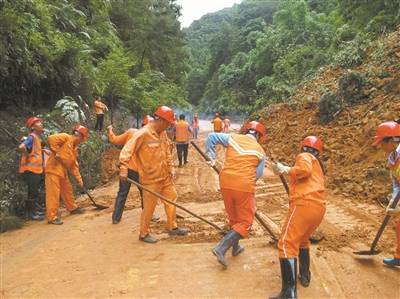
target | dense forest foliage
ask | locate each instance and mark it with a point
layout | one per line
(130, 52)
(257, 52)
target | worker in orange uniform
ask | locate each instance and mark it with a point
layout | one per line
(388, 139)
(99, 109)
(124, 186)
(195, 125)
(244, 164)
(63, 159)
(31, 167)
(306, 211)
(182, 132)
(227, 124)
(217, 123)
(150, 149)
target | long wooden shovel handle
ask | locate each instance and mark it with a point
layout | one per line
(205, 156)
(174, 204)
(384, 223)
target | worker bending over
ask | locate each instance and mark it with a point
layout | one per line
(31, 167)
(182, 135)
(306, 211)
(63, 159)
(150, 148)
(99, 109)
(244, 164)
(388, 139)
(217, 123)
(133, 174)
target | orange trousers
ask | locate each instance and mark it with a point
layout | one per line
(57, 186)
(302, 220)
(397, 253)
(241, 208)
(150, 202)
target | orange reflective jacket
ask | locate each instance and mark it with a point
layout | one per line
(62, 146)
(307, 180)
(182, 132)
(152, 154)
(242, 157)
(99, 107)
(34, 160)
(217, 122)
(122, 140)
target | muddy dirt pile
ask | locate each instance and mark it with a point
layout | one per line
(355, 169)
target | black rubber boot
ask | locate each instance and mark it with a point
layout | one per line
(304, 267)
(237, 249)
(227, 242)
(289, 279)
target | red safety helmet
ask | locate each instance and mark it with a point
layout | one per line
(82, 130)
(256, 126)
(313, 142)
(166, 113)
(147, 119)
(386, 129)
(31, 121)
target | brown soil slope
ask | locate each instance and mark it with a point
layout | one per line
(355, 168)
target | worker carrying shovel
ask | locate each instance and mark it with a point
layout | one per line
(150, 148)
(244, 164)
(388, 139)
(306, 211)
(63, 158)
(133, 174)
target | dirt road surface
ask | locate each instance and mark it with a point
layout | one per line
(88, 257)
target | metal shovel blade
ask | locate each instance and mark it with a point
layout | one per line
(367, 252)
(100, 207)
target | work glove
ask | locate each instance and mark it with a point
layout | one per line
(393, 212)
(173, 174)
(212, 162)
(280, 168)
(109, 128)
(79, 181)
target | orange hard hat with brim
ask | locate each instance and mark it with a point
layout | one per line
(313, 142)
(256, 126)
(386, 129)
(166, 113)
(82, 130)
(31, 121)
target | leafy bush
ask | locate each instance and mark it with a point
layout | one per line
(70, 110)
(328, 105)
(350, 88)
(353, 52)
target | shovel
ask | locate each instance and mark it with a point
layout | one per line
(98, 206)
(373, 250)
(175, 204)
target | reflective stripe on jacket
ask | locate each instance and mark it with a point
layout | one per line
(63, 146)
(152, 154)
(182, 132)
(243, 155)
(307, 180)
(34, 160)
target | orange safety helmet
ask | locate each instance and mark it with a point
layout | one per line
(82, 130)
(166, 113)
(386, 129)
(256, 126)
(313, 142)
(32, 120)
(147, 119)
